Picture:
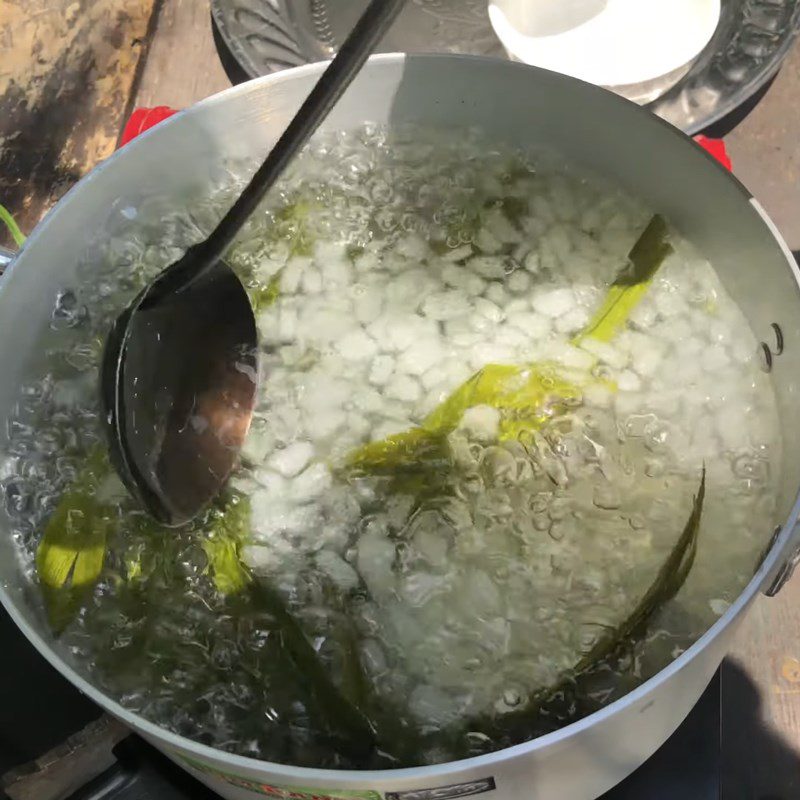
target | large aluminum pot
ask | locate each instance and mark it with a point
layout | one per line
(517, 105)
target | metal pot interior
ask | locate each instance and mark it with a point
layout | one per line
(513, 104)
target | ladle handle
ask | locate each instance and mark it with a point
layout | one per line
(363, 39)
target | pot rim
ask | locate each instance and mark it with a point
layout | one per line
(367, 779)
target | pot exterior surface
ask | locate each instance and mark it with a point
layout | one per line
(519, 106)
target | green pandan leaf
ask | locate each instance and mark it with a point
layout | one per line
(71, 553)
(292, 223)
(647, 255)
(262, 298)
(16, 234)
(666, 584)
(526, 396)
(341, 714)
(668, 581)
(393, 452)
(228, 530)
(293, 218)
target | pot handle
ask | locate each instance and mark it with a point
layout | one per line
(6, 257)
(786, 569)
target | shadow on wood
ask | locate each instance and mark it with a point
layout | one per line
(757, 764)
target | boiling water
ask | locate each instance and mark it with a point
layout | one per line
(405, 263)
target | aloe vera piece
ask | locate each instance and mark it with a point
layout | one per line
(647, 255)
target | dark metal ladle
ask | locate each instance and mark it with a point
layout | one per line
(179, 371)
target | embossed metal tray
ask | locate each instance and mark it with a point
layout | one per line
(751, 40)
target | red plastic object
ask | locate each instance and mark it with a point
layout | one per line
(142, 119)
(717, 149)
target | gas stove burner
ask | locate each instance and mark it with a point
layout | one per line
(751, 40)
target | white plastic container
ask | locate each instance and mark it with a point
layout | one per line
(612, 43)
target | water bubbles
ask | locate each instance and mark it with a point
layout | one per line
(84, 356)
(654, 467)
(49, 442)
(409, 222)
(20, 447)
(561, 530)
(541, 522)
(607, 496)
(381, 192)
(510, 700)
(657, 437)
(67, 311)
(17, 499)
(469, 588)
(386, 219)
(18, 430)
(749, 467)
(512, 697)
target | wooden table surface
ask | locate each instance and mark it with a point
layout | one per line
(71, 71)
